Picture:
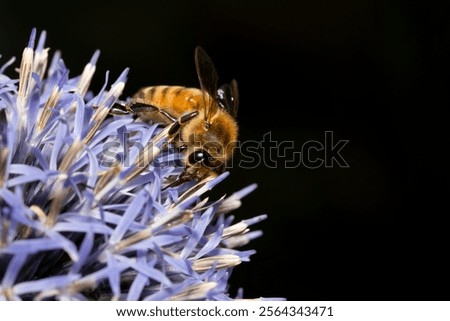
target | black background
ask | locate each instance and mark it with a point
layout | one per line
(376, 73)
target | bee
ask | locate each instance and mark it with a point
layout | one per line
(204, 120)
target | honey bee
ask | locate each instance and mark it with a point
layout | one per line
(204, 120)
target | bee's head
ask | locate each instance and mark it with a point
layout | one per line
(201, 164)
(217, 136)
(209, 146)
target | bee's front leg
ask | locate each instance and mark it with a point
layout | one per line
(183, 119)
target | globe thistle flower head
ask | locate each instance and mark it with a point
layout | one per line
(80, 222)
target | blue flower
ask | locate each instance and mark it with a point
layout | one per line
(78, 224)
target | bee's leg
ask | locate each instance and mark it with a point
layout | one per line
(139, 107)
(119, 108)
(178, 123)
(180, 180)
(186, 175)
(180, 147)
(175, 129)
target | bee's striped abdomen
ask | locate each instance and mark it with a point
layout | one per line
(175, 100)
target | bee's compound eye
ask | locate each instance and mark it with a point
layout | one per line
(200, 156)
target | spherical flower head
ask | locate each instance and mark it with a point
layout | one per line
(85, 215)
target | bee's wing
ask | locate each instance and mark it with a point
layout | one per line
(208, 78)
(234, 97)
(228, 97)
